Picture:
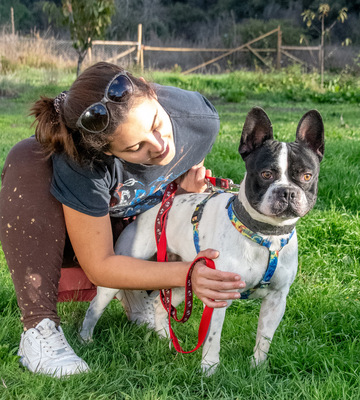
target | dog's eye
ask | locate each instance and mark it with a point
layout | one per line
(307, 177)
(267, 175)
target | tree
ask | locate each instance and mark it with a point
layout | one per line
(322, 13)
(87, 20)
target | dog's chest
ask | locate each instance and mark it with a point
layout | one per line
(251, 260)
(237, 252)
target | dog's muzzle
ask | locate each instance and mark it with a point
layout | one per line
(288, 201)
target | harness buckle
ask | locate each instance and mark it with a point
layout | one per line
(264, 284)
(196, 217)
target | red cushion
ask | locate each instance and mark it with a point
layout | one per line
(75, 286)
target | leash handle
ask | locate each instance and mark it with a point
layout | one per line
(206, 316)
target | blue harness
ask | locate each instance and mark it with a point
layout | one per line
(255, 237)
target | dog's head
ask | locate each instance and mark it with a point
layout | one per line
(281, 178)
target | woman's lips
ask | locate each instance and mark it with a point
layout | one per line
(163, 154)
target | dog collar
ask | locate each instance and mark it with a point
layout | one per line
(257, 226)
(255, 237)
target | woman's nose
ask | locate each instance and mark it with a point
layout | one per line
(157, 143)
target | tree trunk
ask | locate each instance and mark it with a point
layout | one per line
(82, 55)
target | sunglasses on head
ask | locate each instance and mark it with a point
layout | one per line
(96, 118)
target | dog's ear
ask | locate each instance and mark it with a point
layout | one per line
(257, 129)
(310, 131)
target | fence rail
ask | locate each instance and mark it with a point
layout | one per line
(280, 50)
(187, 59)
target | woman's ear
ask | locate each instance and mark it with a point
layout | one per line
(142, 79)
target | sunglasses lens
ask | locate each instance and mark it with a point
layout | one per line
(120, 87)
(95, 118)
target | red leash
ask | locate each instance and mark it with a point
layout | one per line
(222, 183)
(165, 295)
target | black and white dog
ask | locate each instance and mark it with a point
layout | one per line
(254, 232)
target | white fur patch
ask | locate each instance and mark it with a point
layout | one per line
(265, 207)
(283, 164)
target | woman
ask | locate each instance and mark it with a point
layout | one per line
(103, 152)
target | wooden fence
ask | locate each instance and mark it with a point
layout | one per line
(280, 51)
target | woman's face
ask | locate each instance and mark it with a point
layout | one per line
(146, 136)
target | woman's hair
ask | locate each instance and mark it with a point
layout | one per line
(56, 124)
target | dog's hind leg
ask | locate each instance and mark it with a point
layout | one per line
(161, 315)
(95, 310)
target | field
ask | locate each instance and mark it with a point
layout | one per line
(315, 352)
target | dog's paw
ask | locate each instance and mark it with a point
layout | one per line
(142, 319)
(209, 369)
(85, 336)
(259, 362)
(163, 332)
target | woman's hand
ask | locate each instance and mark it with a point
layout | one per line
(214, 287)
(194, 180)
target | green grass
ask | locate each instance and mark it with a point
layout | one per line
(316, 350)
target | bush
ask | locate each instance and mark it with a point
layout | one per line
(6, 65)
(253, 28)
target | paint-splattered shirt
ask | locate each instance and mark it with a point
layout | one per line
(123, 189)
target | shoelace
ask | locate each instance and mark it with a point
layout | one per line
(54, 339)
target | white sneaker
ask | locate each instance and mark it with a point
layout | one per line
(45, 350)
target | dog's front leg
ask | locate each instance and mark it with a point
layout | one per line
(211, 349)
(271, 312)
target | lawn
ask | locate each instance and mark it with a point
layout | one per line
(315, 352)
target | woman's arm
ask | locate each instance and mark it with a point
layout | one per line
(91, 238)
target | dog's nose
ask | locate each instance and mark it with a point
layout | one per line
(287, 193)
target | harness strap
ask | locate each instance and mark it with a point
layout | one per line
(165, 295)
(255, 237)
(196, 217)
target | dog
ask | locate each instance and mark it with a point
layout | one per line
(249, 229)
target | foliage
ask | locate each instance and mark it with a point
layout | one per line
(192, 20)
(323, 12)
(86, 19)
(253, 28)
(24, 16)
(287, 85)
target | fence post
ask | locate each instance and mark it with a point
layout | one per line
(90, 54)
(322, 52)
(140, 56)
(279, 40)
(12, 20)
